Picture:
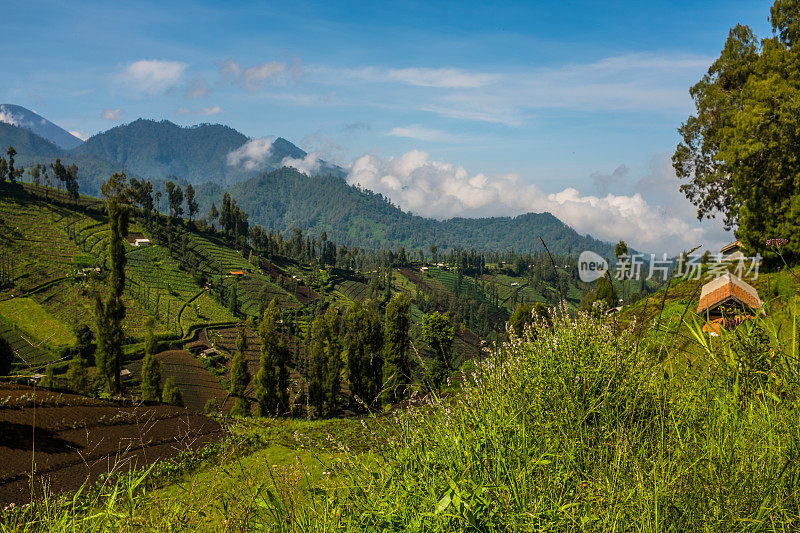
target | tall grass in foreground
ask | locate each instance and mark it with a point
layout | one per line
(576, 426)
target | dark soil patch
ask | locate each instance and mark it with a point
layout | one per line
(54, 442)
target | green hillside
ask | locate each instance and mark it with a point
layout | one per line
(55, 263)
(158, 149)
(285, 199)
(27, 143)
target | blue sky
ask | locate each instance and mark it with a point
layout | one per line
(450, 108)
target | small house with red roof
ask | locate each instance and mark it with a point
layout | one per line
(726, 301)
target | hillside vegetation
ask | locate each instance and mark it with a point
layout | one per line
(281, 199)
(577, 425)
(201, 285)
(285, 199)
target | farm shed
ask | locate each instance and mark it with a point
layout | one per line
(88, 270)
(727, 301)
(132, 236)
(142, 242)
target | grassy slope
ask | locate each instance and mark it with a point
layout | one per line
(575, 427)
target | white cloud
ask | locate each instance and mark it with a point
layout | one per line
(440, 77)
(422, 133)
(443, 190)
(113, 114)
(652, 82)
(309, 165)
(8, 117)
(252, 155)
(253, 78)
(79, 135)
(198, 88)
(204, 112)
(153, 76)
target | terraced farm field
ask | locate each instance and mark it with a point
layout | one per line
(196, 383)
(36, 250)
(353, 290)
(78, 438)
(255, 290)
(157, 282)
(30, 317)
(28, 351)
(214, 256)
(225, 338)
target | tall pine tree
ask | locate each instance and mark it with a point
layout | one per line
(364, 337)
(397, 364)
(240, 378)
(110, 313)
(266, 383)
(325, 363)
(151, 367)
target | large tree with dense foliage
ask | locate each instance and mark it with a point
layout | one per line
(172, 394)
(174, 199)
(240, 378)
(151, 367)
(271, 380)
(439, 334)
(191, 203)
(739, 150)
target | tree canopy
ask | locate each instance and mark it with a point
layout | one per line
(738, 155)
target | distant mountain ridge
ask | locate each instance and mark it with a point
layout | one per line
(159, 149)
(284, 199)
(281, 199)
(25, 118)
(155, 150)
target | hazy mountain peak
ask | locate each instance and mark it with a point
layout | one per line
(286, 148)
(25, 118)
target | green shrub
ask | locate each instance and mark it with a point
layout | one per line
(211, 407)
(77, 375)
(172, 394)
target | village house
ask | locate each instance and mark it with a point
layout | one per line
(732, 251)
(210, 352)
(137, 239)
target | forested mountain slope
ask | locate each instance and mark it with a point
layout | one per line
(286, 198)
